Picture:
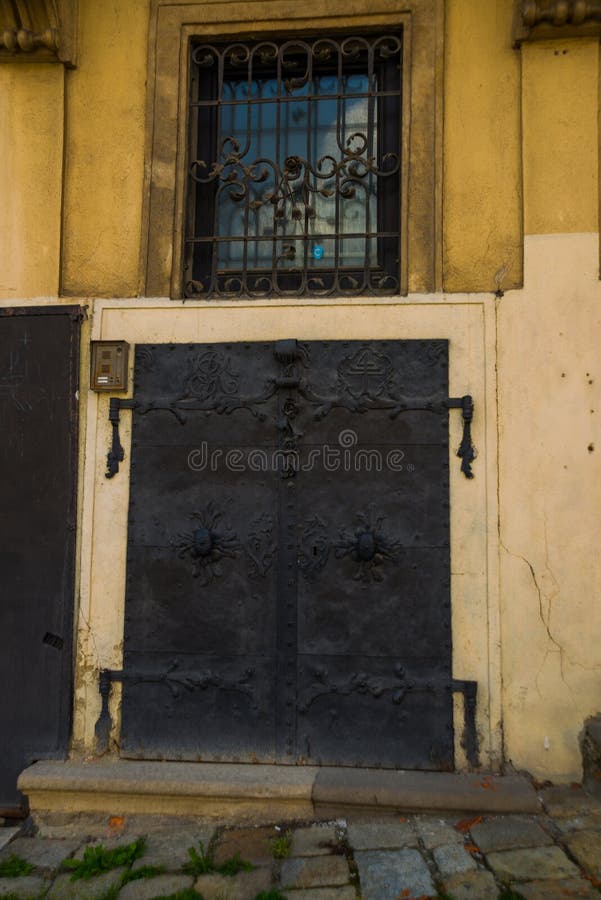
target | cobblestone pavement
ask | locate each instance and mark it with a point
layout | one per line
(553, 856)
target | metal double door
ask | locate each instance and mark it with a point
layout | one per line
(288, 577)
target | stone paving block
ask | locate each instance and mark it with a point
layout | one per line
(587, 822)
(565, 800)
(314, 871)
(537, 862)
(508, 833)
(63, 888)
(558, 890)
(24, 888)
(170, 848)
(381, 835)
(244, 886)
(160, 886)
(44, 853)
(345, 893)
(313, 841)
(586, 847)
(435, 832)
(252, 844)
(6, 835)
(341, 893)
(474, 885)
(453, 858)
(385, 874)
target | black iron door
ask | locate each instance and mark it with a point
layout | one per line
(288, 591)
(39, 351)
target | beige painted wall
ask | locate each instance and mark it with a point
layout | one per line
(549, 408)
(550, 496)
(31, 164)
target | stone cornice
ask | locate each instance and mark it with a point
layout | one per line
(548, 19)
(38, 31)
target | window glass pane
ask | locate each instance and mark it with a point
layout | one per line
(304, 160)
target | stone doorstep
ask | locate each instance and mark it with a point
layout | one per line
(243, 793)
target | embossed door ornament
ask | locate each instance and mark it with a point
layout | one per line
(369, 547)
(366, 375)
(209, 374)
(206, 546)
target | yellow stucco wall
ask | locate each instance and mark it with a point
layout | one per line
(31, 164)
(482, 184)
(104, 161)
(525, 532)
(561, 141)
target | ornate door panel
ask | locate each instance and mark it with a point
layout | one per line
(200, 625)
(374, 654)
(288, 559)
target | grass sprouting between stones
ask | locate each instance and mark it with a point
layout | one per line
(97, 860)
(201, 863)
(281, 845)
(270, 895)
(15, 867)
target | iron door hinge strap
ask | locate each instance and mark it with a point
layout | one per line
(106, 677)
(116, 454)
(466, 451)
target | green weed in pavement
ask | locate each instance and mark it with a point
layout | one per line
(281, 845)
(15, 867)
(98, 859)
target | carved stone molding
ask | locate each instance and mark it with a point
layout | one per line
(38, 31)
(545, 19)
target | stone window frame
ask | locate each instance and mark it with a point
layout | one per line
(173, 24)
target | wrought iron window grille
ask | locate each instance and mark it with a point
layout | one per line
(295, 168)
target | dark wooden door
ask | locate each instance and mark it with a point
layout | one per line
(288, 580)
(39, 353)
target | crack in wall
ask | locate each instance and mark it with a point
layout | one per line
(545, 599)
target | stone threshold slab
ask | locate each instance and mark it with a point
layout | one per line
(267, 793)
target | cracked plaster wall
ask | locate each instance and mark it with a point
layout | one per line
(521, 150)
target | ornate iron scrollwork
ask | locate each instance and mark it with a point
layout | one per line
(397, 685)
(260, 546)
(314, 547)
(312, 221)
